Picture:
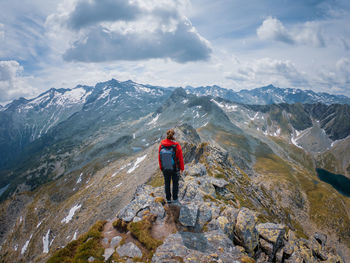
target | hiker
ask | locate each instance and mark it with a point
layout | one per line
(171, 163)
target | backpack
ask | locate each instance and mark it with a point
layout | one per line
(167, 157)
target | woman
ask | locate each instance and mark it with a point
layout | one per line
(171, 163)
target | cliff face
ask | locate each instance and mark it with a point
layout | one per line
(212, 223)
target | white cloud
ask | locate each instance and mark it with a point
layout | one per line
(308, 33)
(12, 83)
(273, 29)
(95, 32)
(338, 79)
(266, 71)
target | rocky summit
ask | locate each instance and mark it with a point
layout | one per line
(208, 225)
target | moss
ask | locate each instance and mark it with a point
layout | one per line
(246, 259)
(87, 245)
(157, 180)
(120, 225)
(160, 200)
(142, 232)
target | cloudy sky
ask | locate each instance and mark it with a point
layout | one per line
(235, 44)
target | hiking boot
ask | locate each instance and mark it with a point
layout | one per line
(176, 202)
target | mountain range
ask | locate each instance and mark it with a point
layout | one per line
(71, 157)
(269, 95)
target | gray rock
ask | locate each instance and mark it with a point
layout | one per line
(218, 182)
(191, 192)
(188, 214)
(279, 256)
(267, 247)
(263, 258)
(273, 233)
(231, 213)
(105, 241)
(140, 202)
(245, 231)
(129, 250)
(115, 241)
(321, 238)
(212, 246)
(137, 219)
(157, 209)
(196, 170)
(108, 253)
(204, 215)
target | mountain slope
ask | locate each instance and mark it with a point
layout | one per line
(89, 133)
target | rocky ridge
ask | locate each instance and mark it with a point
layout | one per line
(210, 225)
(207, 229)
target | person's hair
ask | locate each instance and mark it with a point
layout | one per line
(170, 135)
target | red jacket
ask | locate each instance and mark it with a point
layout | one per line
(179, 156)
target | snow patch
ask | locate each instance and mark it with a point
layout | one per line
(256, 115)
(154, 120)
(75, 236)
(46, 242)
(70, 214)
(134, 136)
(185, 101)
(136, 164)
(118, 185)
(225, 106)
(295, 142)
(79, 179)
(37, 226)
(205, 124)
(24, 248)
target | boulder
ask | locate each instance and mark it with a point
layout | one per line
(197, 169)
(140, 202)
(245, 231)
(157, 209)
(262, 258)
(115, 241)
(212, 246)
(188, 214)
(231, 213)
(272, 233)
(204, 215)
(108, 253)
(220, 183)
(267, 247)
(129, 250)
(191, 192)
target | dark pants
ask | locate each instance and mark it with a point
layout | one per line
(174, 176)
